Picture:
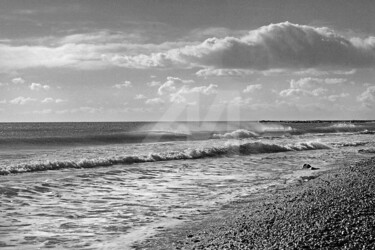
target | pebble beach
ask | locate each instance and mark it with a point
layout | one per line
(335, 210)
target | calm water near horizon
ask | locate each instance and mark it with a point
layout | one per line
(107, 185)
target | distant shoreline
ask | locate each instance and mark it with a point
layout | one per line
(317, 121)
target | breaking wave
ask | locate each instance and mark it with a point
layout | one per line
(229, 148)
(240, 133)
(343, 125)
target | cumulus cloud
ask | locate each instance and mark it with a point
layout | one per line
(125, 84)
(171, 83)
(139, 97)
(310, 82)
(38, 86)
(334, 98)
(223, 72)
(179, 96)
(85, 109)
(155, 101)
(154, 83)
(275, 46)
(282, 45)
(51, 100)
(252, 88)
(310, 86)
(22, 100)
(367, 98)
(18, 80)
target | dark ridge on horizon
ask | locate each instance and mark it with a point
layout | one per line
(316, 121)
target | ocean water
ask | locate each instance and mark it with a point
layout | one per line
(108, 185)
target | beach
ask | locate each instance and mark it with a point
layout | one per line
(118, 185)
(334, 210)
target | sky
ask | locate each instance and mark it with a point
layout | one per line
(193, 60)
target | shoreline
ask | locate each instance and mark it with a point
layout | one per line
(333, 210)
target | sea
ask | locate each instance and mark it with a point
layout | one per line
(111, 185)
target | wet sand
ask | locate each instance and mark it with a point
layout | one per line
(335, 210)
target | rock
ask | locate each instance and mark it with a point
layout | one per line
(306, 166)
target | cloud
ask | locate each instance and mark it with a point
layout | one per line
(154, 83)
(367, 98)
(334, 98)
(170, 84)
(125, 84)
(89, 110)
(283, 45)
(139, 97)
(179, 96)
(51, 100)
(310, 86)
(275, 46)
(38, 86)
(18, 80)
(155, 101)
(22, 100)
(310, 82)
(224, 72)
(252, 88)
(88, 51)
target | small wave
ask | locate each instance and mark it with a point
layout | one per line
(367, 132)
(240, 133)
(229, 148)
(349, 144)
(343, 125)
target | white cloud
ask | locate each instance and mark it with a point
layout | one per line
(310, 86)
(3, 101)
(170, 84)
(155, 101)
(283, 45)
(125, 84)
(154, 83)
(89, 110)
(310, 82)
(367, 98)
(139, 97)
(18, 80)
(51, 100)
(38, 86)
(275, 46)
(205, 90)
(224, 72)
(22, 100)
(179, 96)
(334, 98)
(252, 88)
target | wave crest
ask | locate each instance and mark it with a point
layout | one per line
(229, 148)
(239, 133)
